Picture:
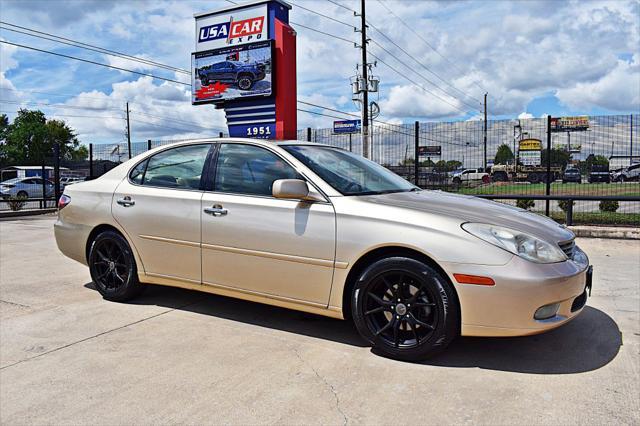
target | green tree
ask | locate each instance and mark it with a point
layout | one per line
(559, 157)
(504, 155)
(453, 165)
(30, 139)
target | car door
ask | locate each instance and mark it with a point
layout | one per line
(158, 206)
(254, 242)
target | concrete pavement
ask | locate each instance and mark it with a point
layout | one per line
(177, 356)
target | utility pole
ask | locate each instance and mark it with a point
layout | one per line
(365, 94)
(128, 132)
(484, 160)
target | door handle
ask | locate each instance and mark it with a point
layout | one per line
(216, 210)
(126, 201)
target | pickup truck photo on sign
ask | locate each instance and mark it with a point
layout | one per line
(232, 72)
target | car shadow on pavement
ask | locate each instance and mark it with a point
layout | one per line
(250, 313)
(587, 343)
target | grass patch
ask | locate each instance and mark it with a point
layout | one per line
(629, 189)
(599, 218)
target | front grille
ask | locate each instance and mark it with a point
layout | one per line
(567, 247)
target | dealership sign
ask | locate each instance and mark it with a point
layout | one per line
(245, 63)
(236, 27)
(529, 152)
(347, 126)
(567, 124)
(430, 150)
(231, 73)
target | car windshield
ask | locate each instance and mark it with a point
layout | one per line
(348, 173)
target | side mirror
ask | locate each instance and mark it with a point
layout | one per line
(290, 188)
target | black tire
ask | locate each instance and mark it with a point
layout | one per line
(622, 179)
(22, 194)
(457, 181)
(245, 82)
(204, 82)
(113, 267)
(533, 178)
(398, 329)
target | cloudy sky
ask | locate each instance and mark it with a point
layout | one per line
(532, 57)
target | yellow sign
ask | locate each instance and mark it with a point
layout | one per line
(530, 145)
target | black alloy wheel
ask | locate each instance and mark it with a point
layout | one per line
(245, 83)
(113, 267)
(405, 309)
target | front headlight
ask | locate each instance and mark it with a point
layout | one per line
(516, 242)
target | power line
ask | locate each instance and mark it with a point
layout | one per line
(427, 43)
(319, 113)
(328, 109)
(342, 6)
(191, 123)
(422, 65)
(60, 106)
(322, 32)
(423, 77)
(94, 63)
(418, 85)
(323, 15)
(75, 43)
(71, 115)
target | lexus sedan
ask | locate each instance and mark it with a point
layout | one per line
(319, 229)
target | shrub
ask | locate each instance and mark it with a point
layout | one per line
(525, 204)
(17, 203)
(564, 204)
(609, 206)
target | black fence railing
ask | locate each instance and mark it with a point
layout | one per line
(580, 175)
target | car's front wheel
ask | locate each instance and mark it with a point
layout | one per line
(406, 309)
(113, 267)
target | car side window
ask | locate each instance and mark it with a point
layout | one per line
(179, 168)
(137, 173)
(248, 169)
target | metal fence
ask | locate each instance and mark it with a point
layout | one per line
(575, 176)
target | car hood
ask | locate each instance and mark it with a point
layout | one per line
(473, 209)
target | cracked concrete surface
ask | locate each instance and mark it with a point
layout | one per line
(175, 356)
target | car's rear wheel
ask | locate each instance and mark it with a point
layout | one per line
(405, 309)
(113, 267)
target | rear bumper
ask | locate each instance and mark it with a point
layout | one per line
(72, 239)
(521, 288)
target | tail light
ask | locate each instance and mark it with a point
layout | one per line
(63, 201)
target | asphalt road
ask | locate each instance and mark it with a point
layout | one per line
(177, 356)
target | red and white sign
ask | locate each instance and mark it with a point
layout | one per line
(237, 27)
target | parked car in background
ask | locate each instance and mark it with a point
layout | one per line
(30, 187)
(470, 175)
(64, 181)
(599, 173)
(322, 230)
(572, 175)
(242, 75)
(628, 174)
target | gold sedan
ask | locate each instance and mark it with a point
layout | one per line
(319, 229)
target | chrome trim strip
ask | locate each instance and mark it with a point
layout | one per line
(169, 240)
(270, 255)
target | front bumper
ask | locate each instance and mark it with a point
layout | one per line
(521, 288)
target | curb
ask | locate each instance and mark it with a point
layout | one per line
(606, 232)
(19, 213)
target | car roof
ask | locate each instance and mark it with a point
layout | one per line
(263, 142)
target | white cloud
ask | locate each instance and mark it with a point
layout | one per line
(156, 111)
(524, 115)
(618, 90)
